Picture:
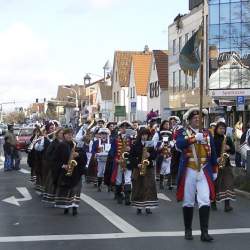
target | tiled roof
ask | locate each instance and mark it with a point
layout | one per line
(142, 66)
(123, 60)
(106, 92)
(63, 93)
(161, 61)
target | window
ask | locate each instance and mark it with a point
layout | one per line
(180, 43)
(114, 98)
(134, 92)
(156, 89)
(174, 46)
(174, 83)
(151, 89)
(180, 85)
(186, 81)
(116, 77)
(193, 82)
(154, 66)
(117, 96)
(186, 37)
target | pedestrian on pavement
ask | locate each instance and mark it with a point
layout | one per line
(13, 157)
(237, 135)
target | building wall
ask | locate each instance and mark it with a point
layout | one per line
(184, 90)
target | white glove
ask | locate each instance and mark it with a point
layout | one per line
(171, 143)
(215, 176)
(199, 137)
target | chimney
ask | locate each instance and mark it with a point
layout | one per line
(146, 49)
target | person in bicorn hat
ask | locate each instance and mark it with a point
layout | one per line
(197, 170)
(100, 150)
(100, 123)
(224, 147)
(120, 149)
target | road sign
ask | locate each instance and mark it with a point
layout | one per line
(240, 103)
(120, 111)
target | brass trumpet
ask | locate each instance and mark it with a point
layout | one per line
(144, 162)
(71, 163)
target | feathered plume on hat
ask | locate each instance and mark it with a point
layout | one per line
(194, 111)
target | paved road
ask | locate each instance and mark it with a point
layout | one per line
(103, 224)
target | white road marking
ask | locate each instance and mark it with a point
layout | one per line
(163, 197)
(116, 220)
(67, 237)
(14, 201)
(24, 171)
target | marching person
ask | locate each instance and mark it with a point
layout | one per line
(100, 150)
(120, 149)
(224, 147)
(41, 146)
(144, 193)
(196, 181)
(163, 160)
(51, 178)
(31, 158)
(69, 167)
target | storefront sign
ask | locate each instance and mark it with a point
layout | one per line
(230, 92)
(240, 103)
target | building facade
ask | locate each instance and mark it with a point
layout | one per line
(229, 56)
(183, 89)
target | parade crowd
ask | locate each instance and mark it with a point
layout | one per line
(129, 158)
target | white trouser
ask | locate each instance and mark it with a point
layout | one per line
(196, 183)
(101, 168)
(127, 176)
(165, 166)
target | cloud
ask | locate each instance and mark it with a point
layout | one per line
(24, 66)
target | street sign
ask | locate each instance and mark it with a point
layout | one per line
(120, 111)
(240, 103)
(133, 107)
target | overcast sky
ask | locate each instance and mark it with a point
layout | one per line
(44, 43)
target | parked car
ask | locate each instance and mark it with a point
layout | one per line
(23, 136)
(3, 129)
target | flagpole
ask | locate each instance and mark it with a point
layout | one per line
(201, 85)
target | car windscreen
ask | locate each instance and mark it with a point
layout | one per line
(26, 132)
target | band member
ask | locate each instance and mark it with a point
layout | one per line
(41, 146)
(174, 122)
(100, 123)
(51, 179)
(69, 166)
(120, 149)
(91, 175)
(224, 147)
(144, 193)
(163, 160)
(100, 150)
(31, 158)
(197, 170)
(109, 164)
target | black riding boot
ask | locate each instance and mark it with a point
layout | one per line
(119, 194)
(127, 191)
(204, 217)
(188, 218)
(66, 211)
(74, 211)
(99, 184)
(227, 208)
(161, 182)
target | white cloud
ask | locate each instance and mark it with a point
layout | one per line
(102, 3)
(24, 66)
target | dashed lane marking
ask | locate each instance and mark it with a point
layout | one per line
(67, 237)
(116, 220)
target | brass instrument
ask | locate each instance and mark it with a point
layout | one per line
(71, 163)
(223, 160)
(144, 162)
(165, 151)
(125, 154)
